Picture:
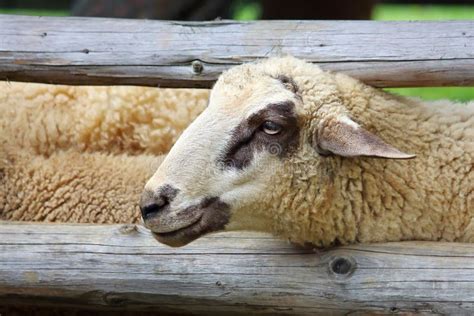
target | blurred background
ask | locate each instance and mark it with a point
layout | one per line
(200, 10)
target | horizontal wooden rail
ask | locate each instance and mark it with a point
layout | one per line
(96, 51)
(123, 267)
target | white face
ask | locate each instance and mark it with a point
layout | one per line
(259, 128)
(223, 162)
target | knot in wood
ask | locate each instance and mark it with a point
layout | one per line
(197, 67)
(342, 266)
(128, 229)
(394, 310)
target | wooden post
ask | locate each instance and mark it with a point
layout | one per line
(123, 267)
(96, 51)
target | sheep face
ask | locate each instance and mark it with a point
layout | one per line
(262, 139)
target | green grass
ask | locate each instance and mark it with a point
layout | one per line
(35, 12)
(246, 11)
(453, 93)
(404, 12)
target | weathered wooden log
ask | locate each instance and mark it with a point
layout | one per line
(95, 51)
(123, 267)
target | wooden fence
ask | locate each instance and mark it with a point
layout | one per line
(96, 51)
(123, 267)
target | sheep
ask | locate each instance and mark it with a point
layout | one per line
(269, 187)
(316, 157)
(83, 154)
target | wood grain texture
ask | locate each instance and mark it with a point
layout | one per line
(96, 51)
(123, 267)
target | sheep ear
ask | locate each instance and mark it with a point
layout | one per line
(344, 137)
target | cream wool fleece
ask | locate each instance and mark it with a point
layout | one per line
(119, 119)
(83, 154)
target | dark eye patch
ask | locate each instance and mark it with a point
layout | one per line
(248, 137)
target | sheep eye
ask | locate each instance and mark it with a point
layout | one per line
(271, 128)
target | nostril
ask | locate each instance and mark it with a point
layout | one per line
(152, 203)
(149, 210)
(153, 207)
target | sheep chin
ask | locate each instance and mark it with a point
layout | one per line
(214, 217)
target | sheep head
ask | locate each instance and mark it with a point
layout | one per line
(269, 131)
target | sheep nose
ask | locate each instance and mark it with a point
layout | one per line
(152, 203)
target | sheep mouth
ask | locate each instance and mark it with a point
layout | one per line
(214, 216)
(179, 237)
